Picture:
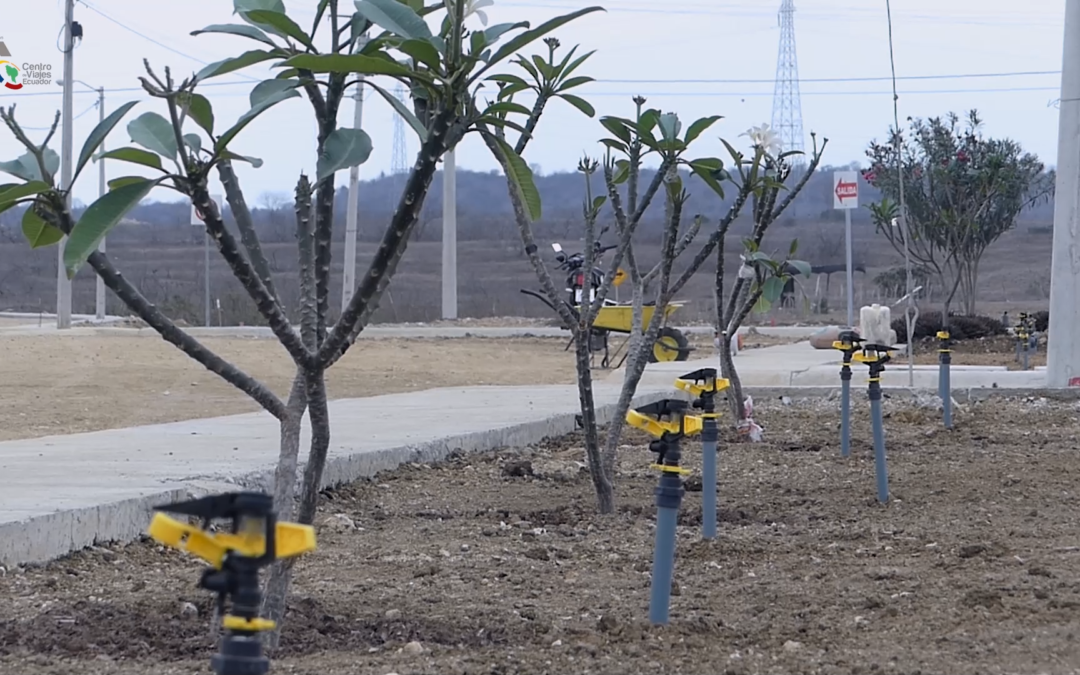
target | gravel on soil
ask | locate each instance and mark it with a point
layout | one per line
(498, 563)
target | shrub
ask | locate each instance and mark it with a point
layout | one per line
(960, 327)
(1042, 321)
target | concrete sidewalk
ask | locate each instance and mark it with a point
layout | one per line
(800, 365)
(61, 493)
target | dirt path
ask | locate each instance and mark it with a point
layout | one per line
(71, 384)
(498, 566)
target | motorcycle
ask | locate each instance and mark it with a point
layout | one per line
(613, 317)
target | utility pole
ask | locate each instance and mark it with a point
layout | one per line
(1063, 349)
(63, 284)
(349, 273)
(449, 237)
(99, 289)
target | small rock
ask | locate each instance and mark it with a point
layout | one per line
(339, 522)
(971, 550)
(392, 614)
(792, 646)
(538, 553)
(413, 648)
(529, 613)
(188, 611)
(518, 469)
(675, 588)
(607, 623)
(557, 643)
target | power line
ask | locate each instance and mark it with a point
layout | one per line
(150, 39)
(803, 80)
(93, 107)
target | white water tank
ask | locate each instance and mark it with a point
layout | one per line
(875, 325)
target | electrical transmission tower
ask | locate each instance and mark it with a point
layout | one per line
(787, 106)
(399, 163)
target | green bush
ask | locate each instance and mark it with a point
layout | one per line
(960, 327)
(1042, 321)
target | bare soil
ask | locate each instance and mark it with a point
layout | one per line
(72, 384)
(996, 351)
(498, 564)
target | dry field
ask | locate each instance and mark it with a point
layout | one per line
(498, 564)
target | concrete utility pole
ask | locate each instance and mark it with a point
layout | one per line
(1063, 350)
(348, 282)
(63, 284)
(99, 289)
(449, 237)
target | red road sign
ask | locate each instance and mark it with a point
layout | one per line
(847, 190)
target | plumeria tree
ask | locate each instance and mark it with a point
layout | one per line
(760, 279)
(182, 144)
(963, 191)
(662, 136)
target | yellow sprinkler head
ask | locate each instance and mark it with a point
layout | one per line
(665, 417)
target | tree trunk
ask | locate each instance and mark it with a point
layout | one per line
(602, 479)
(319, 414)
(626, 395)
(728, 372)
(277, 585)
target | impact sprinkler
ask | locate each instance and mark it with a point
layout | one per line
(847, 345)
(704, 385)
(944, 385)
(1023, 334)
(668, 423)
(876, 356)
(255, 539)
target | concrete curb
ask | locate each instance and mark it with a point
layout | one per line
(43, 538)
(960, 395)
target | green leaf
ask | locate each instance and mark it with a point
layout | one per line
(267, 102)
(492, 34)
(280, 23)
(506, 78)
(579, 103)
(699, 127)
(572, 82)
(793, 248)
(116, 183)
(506, 107)
(735, 154)
(622, 172)
(235, 63)
(237, 29)
(804, 267)
(709, 171)
(528, 67)
(99, 218)
(269, 88)
(423, 51)
(519, 41)
(97, 136)
(571, 67)
(669, 126)
(241, 6)
(521, 178)
(761, 306)
(253, 161)
(392, 16)
(200, 110)
(13, 191)
(348, 63)
(619, 127)
(26, 167)
(193, 141)
(597, 202)
(38, 232)
(344, 149)
(135, 156)
(154, 132)
(402, 109)
(772, 289)
(614, 144)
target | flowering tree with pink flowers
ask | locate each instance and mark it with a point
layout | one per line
(963, 191)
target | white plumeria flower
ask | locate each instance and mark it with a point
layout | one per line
(745, 270)
(765, 138)
(477, 7)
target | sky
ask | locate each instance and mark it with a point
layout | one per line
(695, 58)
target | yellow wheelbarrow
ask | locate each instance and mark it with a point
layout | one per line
(671, 343)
